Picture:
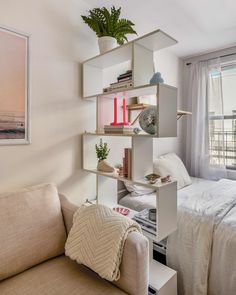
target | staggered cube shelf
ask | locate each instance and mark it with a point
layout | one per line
(98, 73)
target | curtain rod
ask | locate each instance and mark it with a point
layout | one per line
(225, 55)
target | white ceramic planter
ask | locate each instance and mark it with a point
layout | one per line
(106, 43)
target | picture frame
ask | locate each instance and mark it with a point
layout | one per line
(15, 88)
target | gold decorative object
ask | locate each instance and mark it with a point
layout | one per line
(152, 178)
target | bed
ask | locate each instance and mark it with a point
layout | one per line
(203, 249)
(142, 202)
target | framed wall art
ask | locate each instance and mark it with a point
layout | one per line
(14, 87)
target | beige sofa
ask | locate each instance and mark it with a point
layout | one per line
(34, 223)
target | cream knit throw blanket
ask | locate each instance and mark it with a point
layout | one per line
(97, 239)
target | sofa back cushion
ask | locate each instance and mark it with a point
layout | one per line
(31, 228)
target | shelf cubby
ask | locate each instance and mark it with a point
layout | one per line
(164, 97)
(142, 164)
(116, 146)
(166, 201)
(137, 54)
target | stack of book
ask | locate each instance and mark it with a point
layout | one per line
(127, 163)
(144, 221)
(118, 129)
(124, 81)
(127, 76)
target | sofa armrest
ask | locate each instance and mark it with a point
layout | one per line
(134, 268)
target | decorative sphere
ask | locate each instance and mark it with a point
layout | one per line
(148, 120)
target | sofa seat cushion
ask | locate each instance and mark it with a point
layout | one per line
(58, 276)
(31, 228)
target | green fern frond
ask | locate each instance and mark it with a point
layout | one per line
(108, 23)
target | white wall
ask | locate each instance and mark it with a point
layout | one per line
(59, 43)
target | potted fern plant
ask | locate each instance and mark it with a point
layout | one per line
(109, 27)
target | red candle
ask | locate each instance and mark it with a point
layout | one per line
(124, 111)
(115, 112)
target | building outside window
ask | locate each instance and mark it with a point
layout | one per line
(222, 117)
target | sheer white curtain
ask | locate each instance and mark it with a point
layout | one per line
(204, 99)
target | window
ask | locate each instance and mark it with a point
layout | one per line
(222, 117)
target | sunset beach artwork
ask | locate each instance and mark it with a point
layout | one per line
(13, 87)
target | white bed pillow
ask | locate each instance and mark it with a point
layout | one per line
(137, 190)
(171, 164)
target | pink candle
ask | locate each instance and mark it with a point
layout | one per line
(124, 111)
(115, 112)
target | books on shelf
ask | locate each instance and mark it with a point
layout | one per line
(128, 78)
(117, 86)
(118, 129)
(144, 221)
(127, 163)
(124, 81)
(125, 76)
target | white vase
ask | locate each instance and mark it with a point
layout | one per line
(106, 43)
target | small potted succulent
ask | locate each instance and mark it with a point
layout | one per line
(102, 151)
(109, 27)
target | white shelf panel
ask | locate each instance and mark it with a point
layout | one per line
(162, 278)
(115, 56)
(130, 92)
(115, 175)
(147, 89)
(143, 65)
(156, 40)
(107, 174)
(144, 182)
(142, 152)
(153, 41)
(119, 134)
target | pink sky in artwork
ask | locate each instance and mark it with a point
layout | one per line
(12, 72)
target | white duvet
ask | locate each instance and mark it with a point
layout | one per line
(190, 248)
(222, 277)
(203, 249)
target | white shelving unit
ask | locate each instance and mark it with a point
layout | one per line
(138, 56)
(162, 278)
